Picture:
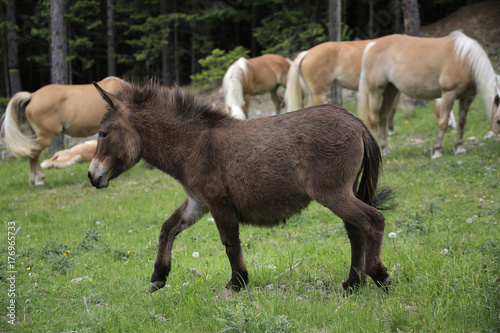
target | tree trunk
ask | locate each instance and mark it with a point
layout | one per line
(12, 42)
(335, 34)
(111, 38)
(411, 17)
(165, 72)
(58, 54)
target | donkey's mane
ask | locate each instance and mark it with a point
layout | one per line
(154, 98)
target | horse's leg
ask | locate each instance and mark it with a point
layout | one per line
(186, 215)
(462, 118)
(277, 100)
(447, 99)
(227, 224)
(246, 106)
(37, 175)
(390, 124)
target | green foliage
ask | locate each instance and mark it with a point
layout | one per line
(240, 318)
(215, 66)
(291, 33)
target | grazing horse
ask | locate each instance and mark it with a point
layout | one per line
(254, 76)
(258, 171)
(53, 109)
(450, 67)
(80, 153)
(314, 70)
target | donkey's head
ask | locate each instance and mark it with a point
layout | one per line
(118, 143)
(495, 113)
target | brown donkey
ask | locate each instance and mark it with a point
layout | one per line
(258, 171)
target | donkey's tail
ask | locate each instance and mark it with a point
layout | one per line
(18, 143)
(293, 93)
(363, 102)
(372, 164)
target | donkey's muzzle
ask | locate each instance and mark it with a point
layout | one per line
(97, 182)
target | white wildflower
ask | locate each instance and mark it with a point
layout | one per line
(392, 235)
(196, 254)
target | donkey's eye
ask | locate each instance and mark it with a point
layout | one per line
(103, 134)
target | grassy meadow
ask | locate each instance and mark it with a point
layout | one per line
(83, 257)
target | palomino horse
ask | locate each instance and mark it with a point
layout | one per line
(451, 67)
(314, 70)
(80, 153)
(72, 109)
(258, 171)
(254, 76)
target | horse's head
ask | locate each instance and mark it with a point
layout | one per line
(118, 143)
(495, 113)
(237, 111)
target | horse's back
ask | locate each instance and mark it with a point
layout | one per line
(407, 62)
(266, 71)
(334, 61)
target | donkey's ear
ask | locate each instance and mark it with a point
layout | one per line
(105, 96)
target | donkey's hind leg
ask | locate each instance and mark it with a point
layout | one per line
(365, 229)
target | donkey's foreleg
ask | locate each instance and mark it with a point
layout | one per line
(227, 224)
(186, 215)
(465, 103)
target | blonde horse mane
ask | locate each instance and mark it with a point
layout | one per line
(232, 85)
(469, 51)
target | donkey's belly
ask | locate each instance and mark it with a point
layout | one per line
(272, 211)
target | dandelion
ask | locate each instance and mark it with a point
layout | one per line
(196, 254)
(64, 254)
(456, 196)
(469, 220)
(128, 252)
(85, 265)
(98, 222)
(68, 251)
(130, 231)
(29, 268)
(393, 236)
(445, 251)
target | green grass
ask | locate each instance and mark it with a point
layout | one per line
(108, 239)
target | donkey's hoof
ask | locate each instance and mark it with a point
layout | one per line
(350, 287)
(157, 285)
(385, 284)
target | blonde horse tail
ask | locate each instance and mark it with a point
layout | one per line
(18, 143)
(293, 93)
(363, 100)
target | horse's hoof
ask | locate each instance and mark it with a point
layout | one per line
(460, 150)
(39, 183)
(436, 154)
(157, 285)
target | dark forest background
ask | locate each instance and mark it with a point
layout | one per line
(167, 39)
